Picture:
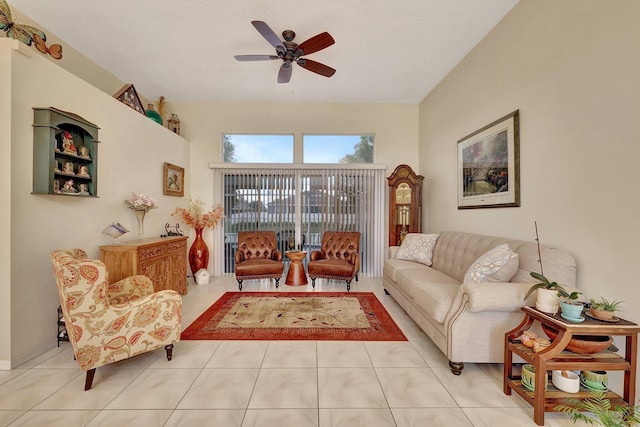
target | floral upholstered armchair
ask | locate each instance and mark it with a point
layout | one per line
(111, 322)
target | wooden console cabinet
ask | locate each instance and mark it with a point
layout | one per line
(162, 259)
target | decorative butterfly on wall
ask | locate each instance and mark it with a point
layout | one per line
(26, 33)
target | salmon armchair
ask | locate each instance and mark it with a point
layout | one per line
(106, 322)
(258, 257)
(338, 257)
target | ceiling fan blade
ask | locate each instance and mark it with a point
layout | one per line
(316, 67)
(284, 75)
(268, 33)
(314, 44)
(255, 57)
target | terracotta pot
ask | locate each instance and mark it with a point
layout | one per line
(198, 253)
(601, 314)
(582, 344)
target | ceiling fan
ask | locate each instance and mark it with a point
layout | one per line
(289, 51)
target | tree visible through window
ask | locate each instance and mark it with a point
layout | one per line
(338, 148)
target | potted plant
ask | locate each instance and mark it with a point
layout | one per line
(601, 411)
(603, 309)
(571, 307)
(548, 298)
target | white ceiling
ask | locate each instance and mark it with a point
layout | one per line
(386, 51)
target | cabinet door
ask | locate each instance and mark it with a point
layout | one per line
(178, 269)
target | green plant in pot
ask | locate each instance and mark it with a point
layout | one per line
(597, 410)
(547, 297)
(604, 309)
(571, 307)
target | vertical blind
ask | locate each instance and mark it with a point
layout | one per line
(299, 204)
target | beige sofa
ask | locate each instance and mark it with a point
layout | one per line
(467, 321)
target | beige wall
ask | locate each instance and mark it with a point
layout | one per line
(132, 153)
(572, 69)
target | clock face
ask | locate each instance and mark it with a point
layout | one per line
(403, 194)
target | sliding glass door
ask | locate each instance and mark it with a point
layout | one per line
(299, 204)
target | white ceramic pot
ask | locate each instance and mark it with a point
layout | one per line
(547, 300)
(202, 277)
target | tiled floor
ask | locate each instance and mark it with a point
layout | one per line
(267, 383)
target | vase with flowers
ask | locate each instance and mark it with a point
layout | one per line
(140, 204)
(199, 218)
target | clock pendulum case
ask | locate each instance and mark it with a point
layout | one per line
(405, 204)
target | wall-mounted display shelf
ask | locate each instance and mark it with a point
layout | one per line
(65, 154)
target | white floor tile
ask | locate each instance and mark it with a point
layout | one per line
(220, 389)
(290, 354)
(206, 418)
(130, 418)
(27, 390)
(413, 388)
(394, 354)
(238, 354)
(55, 418)
(349, 388)
(432, 417)
(343, 354)
(356, 417)
(285, 388)
(281, 418)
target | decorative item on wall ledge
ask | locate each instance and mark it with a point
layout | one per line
(162, 109)
(26, 33)
(173, 124)
(153, 114)
(140, 205)
(489, 165)
(128, 96)
(173, 184)
(196, 217)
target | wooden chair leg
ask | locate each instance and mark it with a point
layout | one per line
(169, 349)
(277, 282)
(313, 282)
(240, 284)
(348, 285)
(89, 380)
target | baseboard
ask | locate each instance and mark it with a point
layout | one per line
(5, 365)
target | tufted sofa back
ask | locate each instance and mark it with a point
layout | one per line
(257, 244)
(455, 251)
(340, 244)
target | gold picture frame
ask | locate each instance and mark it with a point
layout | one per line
(489, 165)
(173, 183)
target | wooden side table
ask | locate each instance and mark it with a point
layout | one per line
(555, 357)
(296, 275)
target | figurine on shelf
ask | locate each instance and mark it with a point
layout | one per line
(67, 143)
(56, 166)
(84, 152)
(84, 190)
(84, 171)
(68, 168)
(56, 186)
(68, 187)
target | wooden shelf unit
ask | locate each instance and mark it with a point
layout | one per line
(162, 259)
(555, 357)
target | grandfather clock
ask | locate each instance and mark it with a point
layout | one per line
(405, 204)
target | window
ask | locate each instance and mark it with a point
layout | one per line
(337, 148)
(237, 148)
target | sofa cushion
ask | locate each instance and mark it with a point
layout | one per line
(417, 247)
(496, 265)
(393, 266)
(430, 289)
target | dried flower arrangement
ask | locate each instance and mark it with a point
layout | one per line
(196, 216)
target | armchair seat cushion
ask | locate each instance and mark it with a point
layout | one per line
(259, 267)
(331, 267)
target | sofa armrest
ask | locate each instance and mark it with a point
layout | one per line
(276, 256)
(239, 257)
(495, 296)
(393, 251)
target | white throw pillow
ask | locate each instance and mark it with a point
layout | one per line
(496, 265)
(417, 247)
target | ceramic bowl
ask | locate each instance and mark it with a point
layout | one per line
(566, 381)
(529, 377)
(595, 380)
(583, 344)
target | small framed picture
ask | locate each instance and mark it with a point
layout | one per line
(173, 180)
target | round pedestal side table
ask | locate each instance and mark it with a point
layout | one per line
(296, 275)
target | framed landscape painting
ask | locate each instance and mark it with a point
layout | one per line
(173, 180)
(489, 165)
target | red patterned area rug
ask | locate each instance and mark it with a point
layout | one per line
(355, 316)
